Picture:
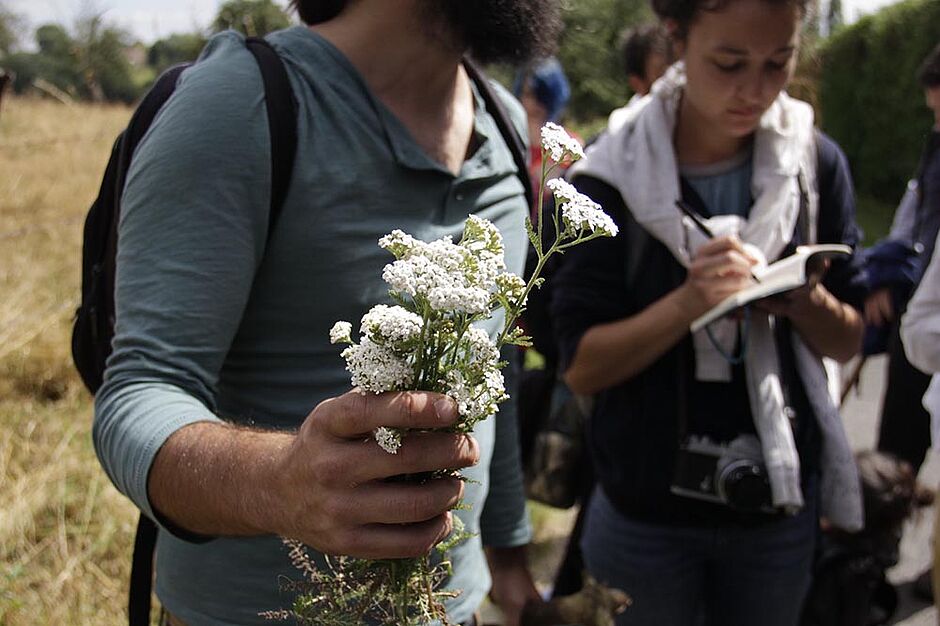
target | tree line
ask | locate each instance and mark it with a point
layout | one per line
(94, 60)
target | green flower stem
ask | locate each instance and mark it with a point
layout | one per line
(513, 314)
(538, 209)
(419, 362)
(461, 330)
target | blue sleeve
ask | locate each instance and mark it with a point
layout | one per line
(836, 222)
(191, 234)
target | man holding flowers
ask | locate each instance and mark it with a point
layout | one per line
(221, 346)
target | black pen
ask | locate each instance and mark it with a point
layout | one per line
(697, 219)
(699, 222)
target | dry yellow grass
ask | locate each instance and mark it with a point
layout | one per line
(65, 533)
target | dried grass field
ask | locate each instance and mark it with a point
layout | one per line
(65, 532)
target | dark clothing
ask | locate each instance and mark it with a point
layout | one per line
(905, 423)
(634, 429)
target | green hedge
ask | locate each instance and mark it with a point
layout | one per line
(869, 97)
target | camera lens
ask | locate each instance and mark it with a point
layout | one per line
(744, 485)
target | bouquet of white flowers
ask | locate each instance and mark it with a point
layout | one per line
(428, 341)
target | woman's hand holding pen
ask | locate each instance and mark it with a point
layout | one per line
(719, 268)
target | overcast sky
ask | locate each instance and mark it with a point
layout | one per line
(151, 19)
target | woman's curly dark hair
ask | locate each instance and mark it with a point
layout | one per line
(684, 11)
(317, 11)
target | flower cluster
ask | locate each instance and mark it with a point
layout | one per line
(428, 342)
(559, 145)
(431, 340)
(580, 215)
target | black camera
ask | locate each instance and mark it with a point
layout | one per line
(732, 474)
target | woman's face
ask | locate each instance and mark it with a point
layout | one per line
(737, 61)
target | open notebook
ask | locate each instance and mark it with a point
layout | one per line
(785, 275)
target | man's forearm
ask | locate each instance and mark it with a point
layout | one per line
(215, 479)
(325, 485)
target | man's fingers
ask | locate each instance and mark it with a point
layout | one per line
(354, 414)
(404, 502)
(419, 453)
(393, 541)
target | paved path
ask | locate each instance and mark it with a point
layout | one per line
(861, 413)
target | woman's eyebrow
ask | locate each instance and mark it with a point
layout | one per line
(741, 52)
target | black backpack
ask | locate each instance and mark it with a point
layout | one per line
(94, 319)
(93, 327)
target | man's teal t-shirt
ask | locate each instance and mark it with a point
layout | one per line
(218, 320)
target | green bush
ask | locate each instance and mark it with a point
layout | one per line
(590, 53)
(869, 97)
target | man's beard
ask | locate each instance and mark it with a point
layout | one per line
(497, 31)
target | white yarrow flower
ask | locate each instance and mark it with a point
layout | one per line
(579, 212)
(391, 326)
(388, 439)
(511, 286)
(400, 243)
(480, 348)
(559, 144)
(340, 333)
(588, 217)
(434, 340)
(473, 300)
(375, 368)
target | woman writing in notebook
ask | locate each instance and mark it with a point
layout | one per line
(717, 451)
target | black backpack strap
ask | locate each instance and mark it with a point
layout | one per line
(506, 128)
(138, 599)
(143, 118)
(282, 124)
(282, 121)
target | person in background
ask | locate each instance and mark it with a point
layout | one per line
(5, 79)
(646, 55)
(226, 416)
(718, 132)
(543, 90)
(920, 333)
(895, 267)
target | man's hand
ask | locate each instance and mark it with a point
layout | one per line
(331, 482)
(512, 582)
(879, 309)
(326, 485)
(720, 268)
